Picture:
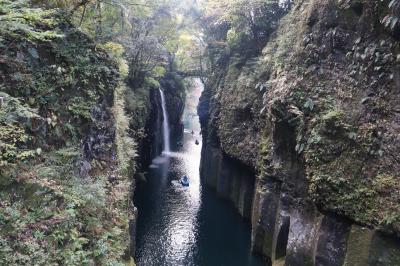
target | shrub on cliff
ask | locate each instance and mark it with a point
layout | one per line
(62, 200)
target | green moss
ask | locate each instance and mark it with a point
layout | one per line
(337, 155)
(126, 145)
(265, 154)
(54, 91)
(341, 186)
(333, 116)
(358, 248)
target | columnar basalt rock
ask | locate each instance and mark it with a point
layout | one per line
(231, 180)
(313, 117)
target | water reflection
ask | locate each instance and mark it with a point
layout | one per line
(174, 209)
(182, 226)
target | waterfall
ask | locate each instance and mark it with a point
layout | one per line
(165, 122)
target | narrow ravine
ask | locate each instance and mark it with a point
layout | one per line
(187, 226)
(200, 132)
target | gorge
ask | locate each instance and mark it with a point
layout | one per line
(186, 226)
(283, 114)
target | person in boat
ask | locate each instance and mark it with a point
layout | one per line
(185, 181)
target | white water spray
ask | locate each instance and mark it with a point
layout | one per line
(165, 123)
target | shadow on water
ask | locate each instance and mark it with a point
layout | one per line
(187, 226)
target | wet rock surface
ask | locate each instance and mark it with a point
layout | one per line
(151, 144)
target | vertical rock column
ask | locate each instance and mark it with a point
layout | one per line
(231, 179)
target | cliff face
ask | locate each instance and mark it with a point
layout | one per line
(311, 122)
(151, 116)
(175, 94)
(152, 143)
(64, 177)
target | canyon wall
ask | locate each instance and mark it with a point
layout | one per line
(71, 130)
(66, 157)
(310, 121)
(151, 142)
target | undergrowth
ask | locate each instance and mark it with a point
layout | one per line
(57, 119)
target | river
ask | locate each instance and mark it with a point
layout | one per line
(187, 226)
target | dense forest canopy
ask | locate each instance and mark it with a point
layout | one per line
(162, 35)
(168, 35)
(156, 35)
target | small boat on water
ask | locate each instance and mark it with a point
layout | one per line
(185, 181)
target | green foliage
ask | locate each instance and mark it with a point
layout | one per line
(12, 136)
(64, 78)
(61, 218)
(50, 214)
(80, 108)
(163, 34)
(152, 82)
(126, 146)
(235, 39)
(20, 21)
(309, 104)
(159, 72)
(138, 105)
(14, 120)
(63, 203)
(247, 22)
(116, 49)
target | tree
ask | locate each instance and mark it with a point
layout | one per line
(158, 35)
(246, 23)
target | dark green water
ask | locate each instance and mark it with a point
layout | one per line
(187, 226)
